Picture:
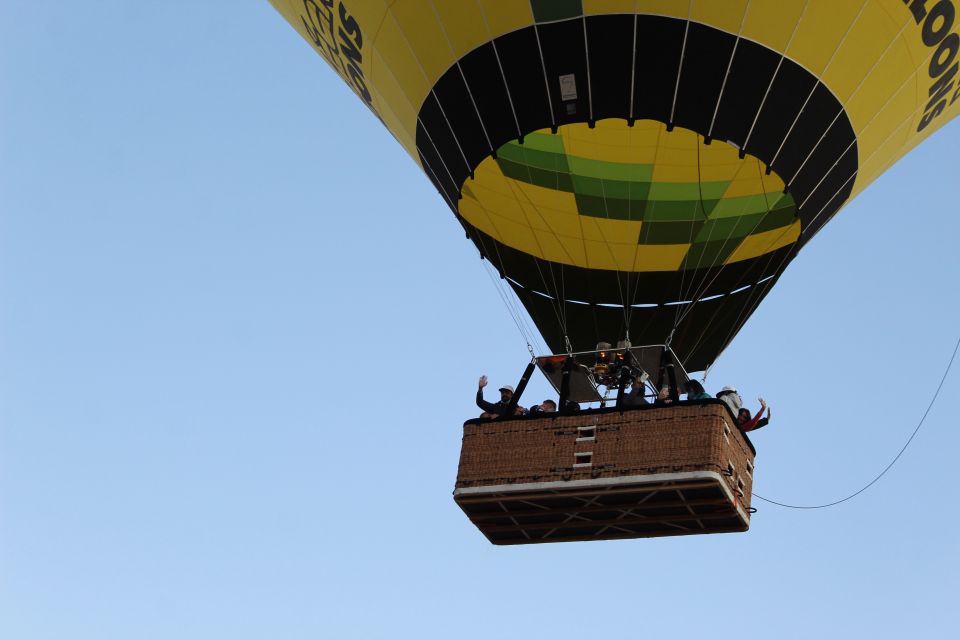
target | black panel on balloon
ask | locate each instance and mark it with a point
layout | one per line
(753, 67)
(705, 329)
(434, 165)
(659, 44)
(787, 95)
(564, 54)
(490, 95)
(610, 40)
(520, 58)
(827, 198)
(810, 126)
(705, 61)
(838, 139)
(452, 96)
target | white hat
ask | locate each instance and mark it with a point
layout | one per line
(731, 389)
(506, 387)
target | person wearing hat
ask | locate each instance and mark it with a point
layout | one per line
(496, 409)
(731, 398)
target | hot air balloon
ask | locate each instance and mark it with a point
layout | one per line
(638, 171)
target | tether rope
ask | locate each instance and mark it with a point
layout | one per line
(892, 462)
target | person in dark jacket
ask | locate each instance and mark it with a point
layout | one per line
(635, 397)
(548, 406)
(496, 409)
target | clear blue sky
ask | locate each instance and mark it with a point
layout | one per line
(239, 332)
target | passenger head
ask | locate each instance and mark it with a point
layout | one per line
(743, 416)
(664, 395)
(506, 393)
(693, 388)
(548, 406)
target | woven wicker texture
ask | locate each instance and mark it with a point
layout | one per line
(699, 437)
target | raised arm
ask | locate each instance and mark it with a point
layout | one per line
(754, 422)
(763, 421)
(483, 404)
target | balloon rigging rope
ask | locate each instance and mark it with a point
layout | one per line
(557, 295)
(746, 311)
(892, 462)
(507, 298)
(693, 225)
(624, 304)
(514, 312)
(742, 318)
(699, 288)
(699, 292)
(523, 325)
(509, 301)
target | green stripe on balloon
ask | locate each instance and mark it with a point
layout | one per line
(550, 10)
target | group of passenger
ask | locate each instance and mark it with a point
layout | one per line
(502, 408)
(635, 397)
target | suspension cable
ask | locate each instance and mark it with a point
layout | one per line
(509, 299)
(555, 294)
(748, 310)
(504, 297)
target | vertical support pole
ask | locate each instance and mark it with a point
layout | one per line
(672, 376)
(671, 371)
(662, 377)
(623, 387)
(628, 366)
(565, 383)
(524, 379)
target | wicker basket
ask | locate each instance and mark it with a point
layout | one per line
(650, 471)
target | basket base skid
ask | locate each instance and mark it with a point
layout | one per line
(666, 504)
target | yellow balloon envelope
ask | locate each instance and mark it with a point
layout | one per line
(645, 168)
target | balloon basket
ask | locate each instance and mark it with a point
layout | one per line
(605, 474)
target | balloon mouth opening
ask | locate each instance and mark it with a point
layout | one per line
(630, 196)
